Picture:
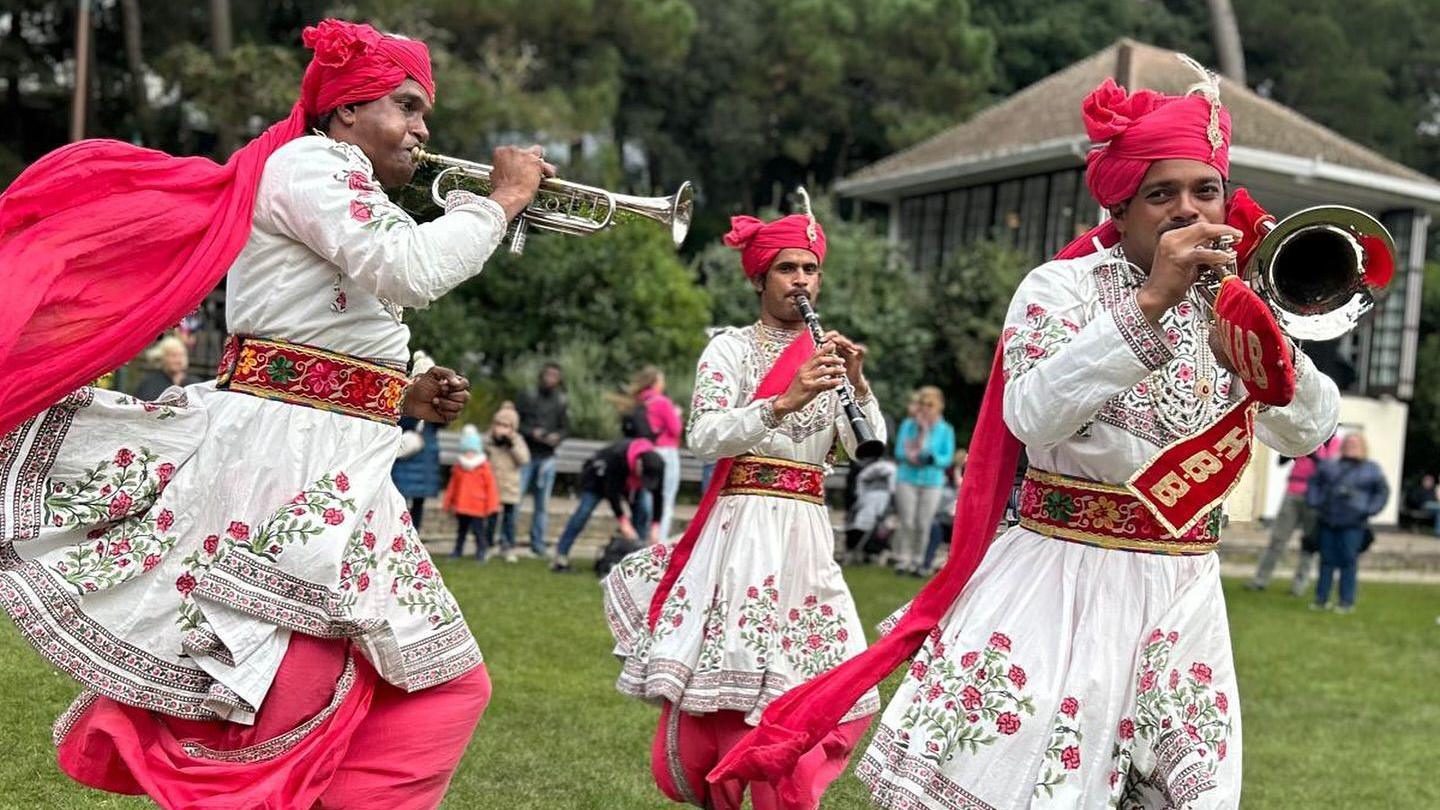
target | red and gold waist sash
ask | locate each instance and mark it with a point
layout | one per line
(315, 378)
(777, 477)
(1082, 511)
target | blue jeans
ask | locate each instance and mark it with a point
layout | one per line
(538, 475)
(1339, 551)
(939, 535)
(506, 522)
(588, 501)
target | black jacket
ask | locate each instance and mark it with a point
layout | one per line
(543, 412)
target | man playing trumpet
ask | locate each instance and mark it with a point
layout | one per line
(750, 602)
(229, 570)
(1083, 659)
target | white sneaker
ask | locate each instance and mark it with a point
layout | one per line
(510, 557)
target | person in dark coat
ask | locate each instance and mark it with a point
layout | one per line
(617, 473)
(417, 475)
(173, 368)
(1345, 493)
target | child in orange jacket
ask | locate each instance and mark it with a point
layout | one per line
(472, 495)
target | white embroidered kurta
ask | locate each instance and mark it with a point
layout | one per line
(162, 553)
(762, 606)
(1067, 675)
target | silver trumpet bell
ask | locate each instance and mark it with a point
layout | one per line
(562, 206)
(1310, 269)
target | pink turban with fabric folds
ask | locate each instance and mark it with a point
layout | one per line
(760, 242)
(104, 245)
(1133, 130)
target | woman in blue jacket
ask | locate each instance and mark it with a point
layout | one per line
(924, 448)
(1345, 493)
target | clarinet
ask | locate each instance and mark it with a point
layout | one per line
(867, 447)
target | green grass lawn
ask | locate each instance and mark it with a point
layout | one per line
(1339, 712)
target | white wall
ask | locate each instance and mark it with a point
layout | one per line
(1383, 423)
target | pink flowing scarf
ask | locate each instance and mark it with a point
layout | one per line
(774, 384)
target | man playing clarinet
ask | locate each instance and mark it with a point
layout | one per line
(750, 603)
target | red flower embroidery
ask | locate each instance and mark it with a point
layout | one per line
(1070, 758)
(398, 544)
(359, 211)
(842, 635)
(369, 540)
(794, 615)
(968, 659)
(342, 482)
(1034, 311)
(1221, 749)
(151, 560)
(334, 517)
(1174, 678)
(1034, 351)
(164, 520)
(826, 610)
(1193, 732)
(1007, 723)
(1127, 729)
(1069, 707)
(185, 584)
(405, 518)
(1200, 672)
(425, 569)
(970, 697)
(1173, 637)
(120, 547)
(1017, 677)
(918, 670)
(239, 531)
(1222, 702)
(120, 504)
(212, 544)
(124, 458)
(164, 472)
(323, 378)
(1155, 636)
(680, 592)
(1147, 681)
(752, 592)
(1000, 641)
(358, 182)
(363, 582)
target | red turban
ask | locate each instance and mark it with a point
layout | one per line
(103, 245)
(760, 242)
(356, 63)
(1133, 130)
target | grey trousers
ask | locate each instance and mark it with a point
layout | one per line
(916, 507)
(1294, 514)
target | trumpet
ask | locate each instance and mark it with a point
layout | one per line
(562, 206)
(1310, 269)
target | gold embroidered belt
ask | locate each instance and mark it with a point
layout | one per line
(1082, 511)
(776, 477)
(315, 378)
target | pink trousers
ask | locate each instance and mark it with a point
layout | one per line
(330, 734)
(687, 746)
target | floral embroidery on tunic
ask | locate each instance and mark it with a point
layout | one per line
(758, 622)
(115, 496)
(1042, 336)
(712, 638)
(1179, 397)
(814, 638)
(1062, 755)
(416, 582)
(960, 707)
